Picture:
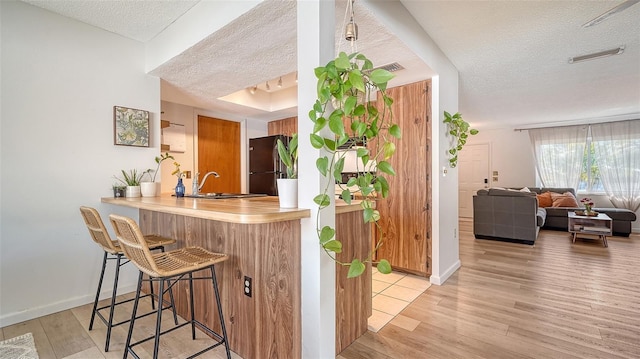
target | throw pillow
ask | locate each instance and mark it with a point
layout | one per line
(525, 189)
(545, 200)
(566, 199)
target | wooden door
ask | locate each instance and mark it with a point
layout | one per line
(406, 213)
(219, 150)
(473, 167)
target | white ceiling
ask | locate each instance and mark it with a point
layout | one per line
(511, 55)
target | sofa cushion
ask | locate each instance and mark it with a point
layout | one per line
(620, 214)
(509, 193)
(566, 199)
(541, 216)
(545, 200)
(558, 190)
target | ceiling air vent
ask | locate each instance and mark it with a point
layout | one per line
(391, 67)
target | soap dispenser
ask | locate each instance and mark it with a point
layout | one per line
(194, 186)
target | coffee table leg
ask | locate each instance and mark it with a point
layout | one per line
(604, 241)
(574, 237)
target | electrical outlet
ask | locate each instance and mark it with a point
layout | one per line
(247, 286)
(455, 233)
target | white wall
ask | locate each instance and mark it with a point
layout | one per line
(60, 81)
(510, 155)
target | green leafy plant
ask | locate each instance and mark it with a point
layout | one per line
(131, 178)
(289, 155)
(459, 130)
(159, 160)
(345, 106)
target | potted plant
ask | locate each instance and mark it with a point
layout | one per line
(118, 190)
(180, 189)
(459, 130)
(152, 188)
(132, 181)
(345, 104)
(288, 187)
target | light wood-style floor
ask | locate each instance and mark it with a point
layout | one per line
(552, 300)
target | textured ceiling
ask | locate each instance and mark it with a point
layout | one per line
(512, 55)
(513, 58)
(138, 20)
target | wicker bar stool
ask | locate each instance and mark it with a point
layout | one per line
(159, 267)
(113, 251)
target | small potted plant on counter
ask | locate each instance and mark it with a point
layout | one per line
(288, 187)
(132, 180)
(152, 188)
(179, 186)
(118, 190)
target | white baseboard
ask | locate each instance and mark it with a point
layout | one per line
(439, 280)
(31, 313)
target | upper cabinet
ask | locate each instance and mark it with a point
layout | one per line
(287, 126)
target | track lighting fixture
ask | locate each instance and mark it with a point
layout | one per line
(280, 82)
(253, 89)
(267, 86)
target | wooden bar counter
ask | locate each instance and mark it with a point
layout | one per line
(263, 243)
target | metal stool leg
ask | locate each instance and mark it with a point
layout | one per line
(156, 343)
(133, 317)
(193, 317)
(113, 302)
(219, 305)
(173, 302)
(95, 302)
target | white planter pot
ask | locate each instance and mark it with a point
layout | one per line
(288, 192)
(132, 191)
(150, 189)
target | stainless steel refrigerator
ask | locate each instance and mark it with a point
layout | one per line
(265, 165)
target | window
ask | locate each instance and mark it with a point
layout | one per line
(590, 181)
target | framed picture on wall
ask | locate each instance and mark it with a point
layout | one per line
(130, 127)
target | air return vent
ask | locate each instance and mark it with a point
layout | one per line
(391, 67)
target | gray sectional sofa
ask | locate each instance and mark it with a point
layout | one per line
(513, 215)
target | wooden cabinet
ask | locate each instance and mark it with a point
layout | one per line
(286, 126)
(406, 212)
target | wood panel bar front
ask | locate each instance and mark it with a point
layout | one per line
(265, 325)
(263, 242)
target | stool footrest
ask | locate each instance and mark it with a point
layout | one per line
(218, 337)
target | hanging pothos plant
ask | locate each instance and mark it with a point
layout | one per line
(459, 130)
(346, 90)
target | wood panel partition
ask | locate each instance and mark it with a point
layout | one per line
(406, 213)
(353, 295)
(265, 325)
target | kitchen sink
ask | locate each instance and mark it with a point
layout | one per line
(222, 195)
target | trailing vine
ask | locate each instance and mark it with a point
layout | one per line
(346, 90)
(459, 130)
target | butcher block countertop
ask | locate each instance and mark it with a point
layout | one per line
(234, 210)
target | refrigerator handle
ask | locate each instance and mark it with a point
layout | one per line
(276, 159)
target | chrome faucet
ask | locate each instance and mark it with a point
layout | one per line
(196, 188)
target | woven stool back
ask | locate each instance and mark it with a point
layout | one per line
(133, 244)
(97, 230)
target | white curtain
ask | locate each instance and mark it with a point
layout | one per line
(559, 152)
(617, 152)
